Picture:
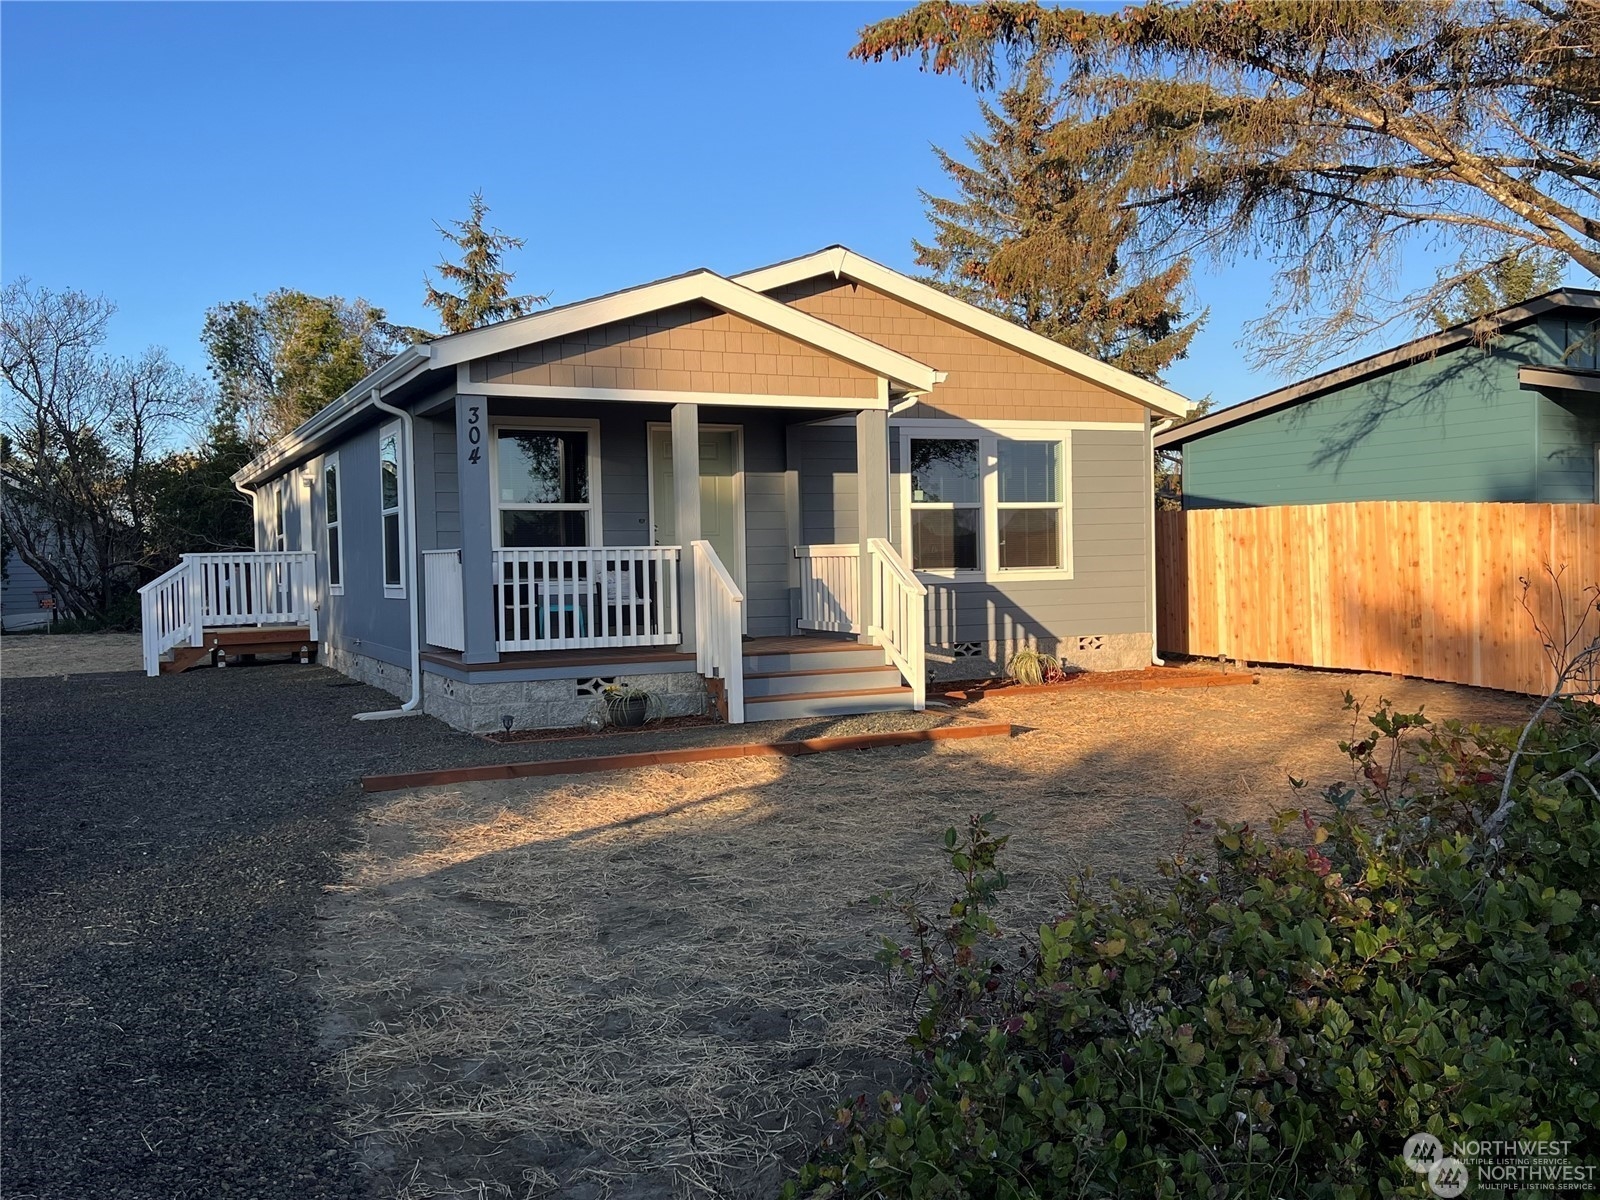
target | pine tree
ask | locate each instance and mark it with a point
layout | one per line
(1520, 275)
(1324, 138)
(485, 286)
(1032, 237)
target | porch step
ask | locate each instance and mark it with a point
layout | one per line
(862, 677)
(224, 643)
(788, 707)
(825, 655)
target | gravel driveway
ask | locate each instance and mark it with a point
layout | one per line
(165, 843)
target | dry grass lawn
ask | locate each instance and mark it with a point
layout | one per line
(655, 983)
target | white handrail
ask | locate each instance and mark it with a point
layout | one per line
(719, 627)
(164, 608)
(574, 597)
(830, 587)
(243, 587)
(899, 617)
(441, 592)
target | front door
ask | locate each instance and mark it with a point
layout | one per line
(719, 494)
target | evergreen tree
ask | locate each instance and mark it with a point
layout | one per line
(1517, 276)
(484, 294)
(1323, 137)
(1032, 237)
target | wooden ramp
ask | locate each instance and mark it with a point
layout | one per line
(222, 645)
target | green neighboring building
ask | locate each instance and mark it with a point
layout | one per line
(1506, 408)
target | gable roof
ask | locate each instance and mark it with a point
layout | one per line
(843, 263)
(705, 287)
(1388, 360)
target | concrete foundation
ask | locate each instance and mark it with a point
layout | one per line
(481, 707)
(1090, 652)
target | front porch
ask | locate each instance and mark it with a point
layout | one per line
(569, 621)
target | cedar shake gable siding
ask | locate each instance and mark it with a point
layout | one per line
(985, 380)
(685, 348)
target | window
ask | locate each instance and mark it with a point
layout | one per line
(330, 512)
(1029, 518)
(278, 535)
(945, 504)
(389, 500)
(542, 477)
(987, 503)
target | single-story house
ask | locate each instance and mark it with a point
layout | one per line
(1505, 408)
(797, 491)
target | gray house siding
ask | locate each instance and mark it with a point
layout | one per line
(363, 620)
(1108, 593)
(19, 600)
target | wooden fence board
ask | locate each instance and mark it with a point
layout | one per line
(1428, 589)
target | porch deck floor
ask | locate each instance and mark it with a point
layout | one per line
(618, 656)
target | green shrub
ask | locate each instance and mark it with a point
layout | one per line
(1282, 1016)
(1031, 667)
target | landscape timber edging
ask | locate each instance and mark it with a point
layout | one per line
(486, 772)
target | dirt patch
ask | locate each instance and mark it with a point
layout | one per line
(656, 983)
(39, 655)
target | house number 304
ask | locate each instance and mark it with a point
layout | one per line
(474, 433)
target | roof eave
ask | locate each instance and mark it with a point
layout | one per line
(305, 437)
(1376, 364)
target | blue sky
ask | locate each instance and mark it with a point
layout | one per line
(174, 156)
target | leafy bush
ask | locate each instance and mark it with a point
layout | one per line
(1278, 1020)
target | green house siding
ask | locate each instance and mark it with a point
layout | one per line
(1455, 427)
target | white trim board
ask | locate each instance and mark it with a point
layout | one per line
(541, 391)
(988, 500)
(846, 264)
(702, 286)
(597, 528)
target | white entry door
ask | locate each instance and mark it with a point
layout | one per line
(721, 494)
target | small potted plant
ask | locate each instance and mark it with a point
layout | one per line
(1031, 667)
(628, 706)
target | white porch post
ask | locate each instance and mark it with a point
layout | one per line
(477, 530)
(686, 504)
(872, 493)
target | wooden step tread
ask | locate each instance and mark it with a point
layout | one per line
(788, 697)
(879, 666)
(818, 646)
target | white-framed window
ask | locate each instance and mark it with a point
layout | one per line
(546, 479)
(389, 500)
(987, 503)
(277, 530)
(331, 505)
(946, 503)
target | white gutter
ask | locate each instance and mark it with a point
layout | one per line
(413, 706)
(1158, 427)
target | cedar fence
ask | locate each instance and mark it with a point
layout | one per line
(1432, 590)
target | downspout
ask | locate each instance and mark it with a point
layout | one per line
(255, 520)
(1158, 427)
(413, 706)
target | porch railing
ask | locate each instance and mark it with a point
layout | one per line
(895, 615)
(208, 591)
(900, 617)
(719, 628)
(444, 605)
(563, 598)
(830, 586)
